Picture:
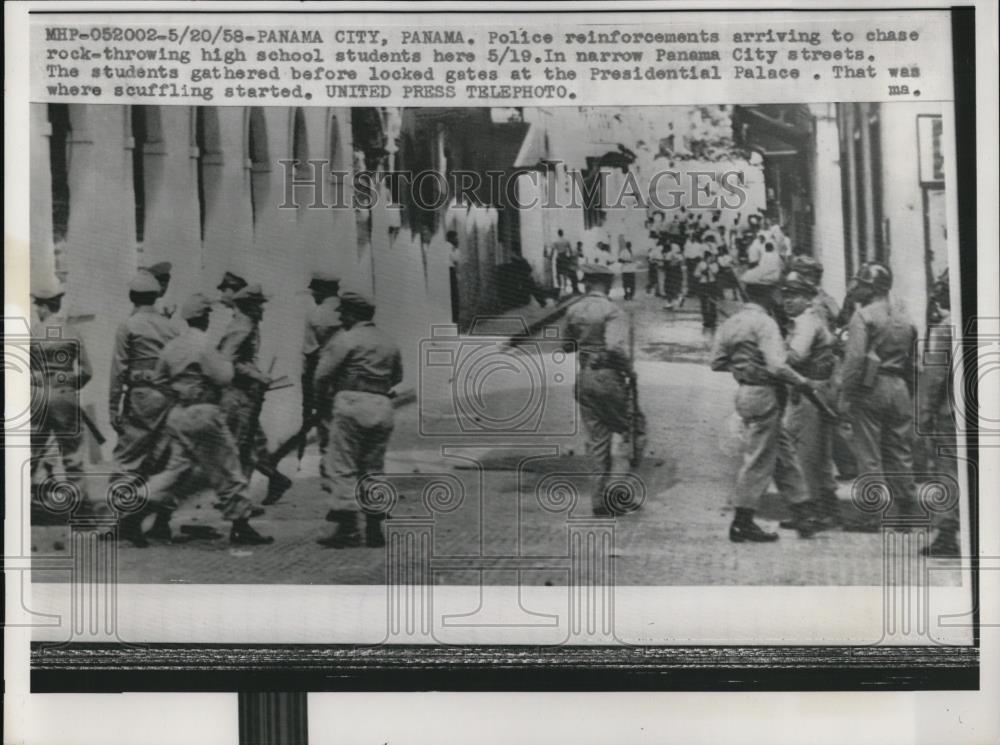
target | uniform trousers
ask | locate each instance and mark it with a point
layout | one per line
(812, 435)
(201, 449)
(769, 452)
(56, 415)
(140, 440)
(359, 436)
(242, 412)
(882, 421)
(603, 401)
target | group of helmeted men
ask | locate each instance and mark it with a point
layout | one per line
(187, 410)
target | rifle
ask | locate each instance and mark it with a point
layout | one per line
(92, 428)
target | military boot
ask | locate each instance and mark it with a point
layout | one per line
(744, 529)
(161, 528)
(130, 529)
(277, 482)
(243, 534)
(347, 534)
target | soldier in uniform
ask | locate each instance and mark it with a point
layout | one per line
(749, 345)
(600, 330)
(359, 368)
(812, 271)
(242, 401)
(200, 443)
(137, 407)
(877, 388)
(161, 273)
(936, 412)
(811, 353)
(321, 324)
(59, 369)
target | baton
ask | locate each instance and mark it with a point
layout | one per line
(92, 428)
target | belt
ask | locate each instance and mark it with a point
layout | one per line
(361, 385)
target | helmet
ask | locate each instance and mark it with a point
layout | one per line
(876, 276)
(797, 284)
(808, 267)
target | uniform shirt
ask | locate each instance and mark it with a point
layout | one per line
(748, 341)
(138, 344)
(596, 325)
(627, 260)
(828, 308)
(694, 250)
(362, 352)
(62, 356)
(754, 252)
(810, 344)
(192, 368)
(322, 322)
(886, 331)
(240, 345)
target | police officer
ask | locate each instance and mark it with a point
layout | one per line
(749, 345)
(321, 324)
(241, 401)
(600, 330)
(161, 273)
(200, 442)
(811, 353)
(59, 369)
(877, 388)
(137, 407)
(359, 368)
(936, 411)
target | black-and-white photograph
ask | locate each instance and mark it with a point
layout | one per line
(695, 344)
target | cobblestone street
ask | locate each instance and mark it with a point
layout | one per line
(679, 537)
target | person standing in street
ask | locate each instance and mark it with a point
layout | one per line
(565, 264)
(626, 260)
(322, 322)
(706, 277)
(877, 389)
(811, 353)
(599, 329)
(200, 442)
(749, 345)
(359, 369)
(243, 400)
(60, 367)
(936, 411)
(138, 408)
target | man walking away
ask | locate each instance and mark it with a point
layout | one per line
(359, 368)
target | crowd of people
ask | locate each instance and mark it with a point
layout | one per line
(824, 390)
(186, 410)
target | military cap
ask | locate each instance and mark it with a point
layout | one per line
(144, 281)
(596, 270)
(808, 267)
(875, 275)
(324, 281)
(232, 280)
(50, 292)
(797, 283)
(160, 269)
(356, 301)
(195, 306)
(250, 294)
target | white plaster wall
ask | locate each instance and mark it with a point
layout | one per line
(828, 208)
(902, 203)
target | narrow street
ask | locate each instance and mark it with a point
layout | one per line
(498, 496)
